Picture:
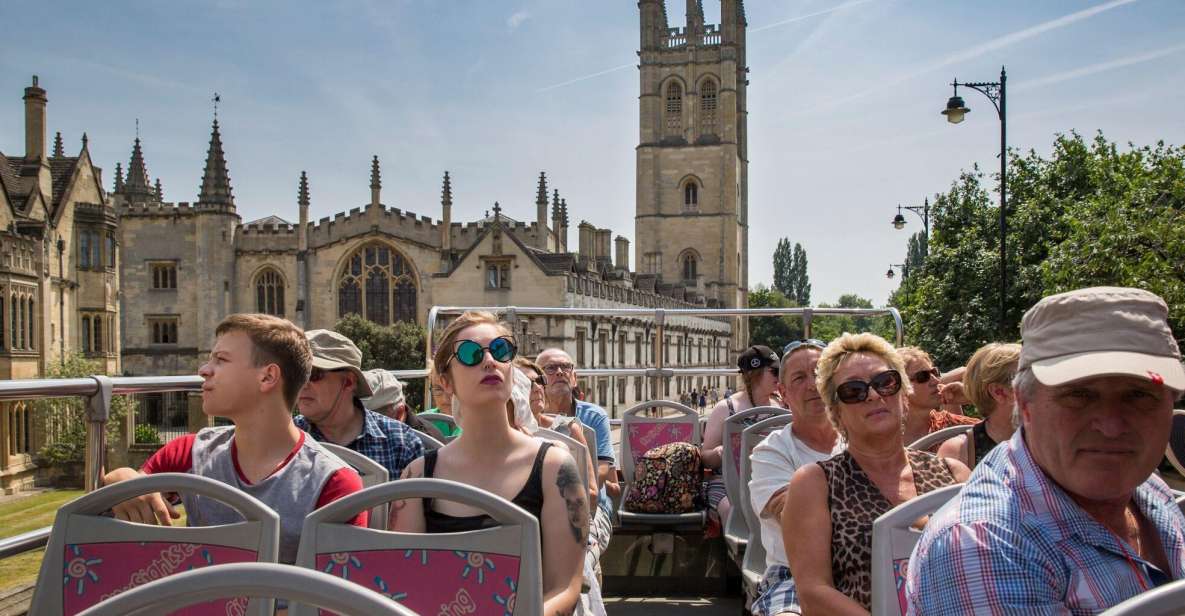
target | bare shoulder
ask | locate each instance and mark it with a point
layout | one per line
(958, 469)
(414, 470)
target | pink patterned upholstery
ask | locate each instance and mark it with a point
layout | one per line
(96, 571)
(735, 437)
(900, 569)
(646, 436)
(432, 581)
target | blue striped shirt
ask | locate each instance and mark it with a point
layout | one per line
(1013, 542)
(384, 440)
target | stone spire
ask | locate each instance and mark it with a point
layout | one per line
(302, 201)
(541, 233)
(564, 223)
(58, 149)
(446, 222)
(160, 191)
(137, 188)
(216, 191)
(85, 140)
(118, 178)
(302, 196)
(376, 183)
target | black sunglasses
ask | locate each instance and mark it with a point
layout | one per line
(923, 376)
(886, 384)
(317, 374)
(470, 353)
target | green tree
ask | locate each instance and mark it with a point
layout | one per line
(773, 332)
(783, 268)
(61, 422)
(800, 280)
(828, 328)
(394, 347)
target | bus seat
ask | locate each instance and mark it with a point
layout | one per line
(492, 570)
(931, 441)
(753, 561)
(90, 556)
(640, 433)
(576, 448)
(1163, 601)
(441, 417)
(893, 538)
(430, 442)
(372, 474)
(736, 529)
(1175, 451)
(253, 580)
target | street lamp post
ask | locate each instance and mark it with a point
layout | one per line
(954, 112)
(904, 267)
(924, 212)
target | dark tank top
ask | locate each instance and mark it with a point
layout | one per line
(530, 498)
(981, 442)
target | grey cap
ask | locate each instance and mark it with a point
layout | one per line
(333, 351)
(1101, 331)
(387, 389)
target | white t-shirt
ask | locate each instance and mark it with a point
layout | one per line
(773, 462)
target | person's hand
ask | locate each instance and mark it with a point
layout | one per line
(953, 394)
(613, 489)
(147, 509)
(775, 504)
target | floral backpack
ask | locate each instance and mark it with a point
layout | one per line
(667, 479)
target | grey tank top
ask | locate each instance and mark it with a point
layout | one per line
(291, 491)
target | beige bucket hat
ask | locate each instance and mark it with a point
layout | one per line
(387, 389)
(333, 351)
(1101, 331)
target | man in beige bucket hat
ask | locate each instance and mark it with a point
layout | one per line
(332, 410)
(1068, 515)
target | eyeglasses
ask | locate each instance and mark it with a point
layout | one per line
(539, 380)
(317, 374)
(470, 353)
(886, 384)
(812, 342)
(924, 375)
(554, 369)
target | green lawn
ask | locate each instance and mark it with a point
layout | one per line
(29, 513)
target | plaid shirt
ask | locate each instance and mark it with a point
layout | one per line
(1013, 542)
(384, 440)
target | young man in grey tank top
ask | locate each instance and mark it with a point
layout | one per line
(257, 366)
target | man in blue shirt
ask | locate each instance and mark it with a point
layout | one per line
(560, 375)
(332, 412)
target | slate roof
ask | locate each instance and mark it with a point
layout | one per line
(270, 220)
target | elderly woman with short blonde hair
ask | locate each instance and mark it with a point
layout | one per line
(828, 531)
(988, 385)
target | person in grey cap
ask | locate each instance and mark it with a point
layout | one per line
(331, 409)
(387, 400)
(1067, 517)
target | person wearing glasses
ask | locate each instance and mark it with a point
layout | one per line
(388, 400)
(827, 533)
(925, 398)
(1068, 516)
(560, 375)
(810, 438)
(988, 385)
(759, 378)
(331, 408)
(444, 405)
(475, 362)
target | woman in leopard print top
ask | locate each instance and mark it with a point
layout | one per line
(828, 531)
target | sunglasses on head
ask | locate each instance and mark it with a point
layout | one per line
(811, 342)
(886, 383)
(470, 353)
(923, 376)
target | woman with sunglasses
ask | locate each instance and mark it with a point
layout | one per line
(759, 376)
(828, 531)
(474, 362)
(924, 413)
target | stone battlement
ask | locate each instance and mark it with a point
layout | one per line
(360, 220)
(158, 209)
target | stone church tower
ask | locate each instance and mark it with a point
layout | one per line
(691, 221)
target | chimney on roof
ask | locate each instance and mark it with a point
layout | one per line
(35, 121)
(604, 247)
(623, 253)
(587, 237)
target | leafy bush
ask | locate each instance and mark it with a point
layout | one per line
(62, 421)
(147, 435)
(393, 347)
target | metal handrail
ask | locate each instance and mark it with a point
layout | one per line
(24, 542)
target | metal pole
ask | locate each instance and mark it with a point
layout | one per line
(660, 317)
(1003, 205)
(98, 410)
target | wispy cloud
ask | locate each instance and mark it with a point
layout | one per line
(970, 53)
(517, 19)
(1099, 67)
(584, 77)
(791, 20)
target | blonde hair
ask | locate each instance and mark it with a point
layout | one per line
(839, 351)
(275, 341)
(448, 338)
(992, 364)
(912, 353)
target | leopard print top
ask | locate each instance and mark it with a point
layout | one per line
(855, 503)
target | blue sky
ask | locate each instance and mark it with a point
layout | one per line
(843, 118)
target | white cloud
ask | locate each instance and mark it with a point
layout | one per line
(517, 19)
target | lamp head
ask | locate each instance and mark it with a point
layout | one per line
(889, 274)
(955, 109)
(898, 221)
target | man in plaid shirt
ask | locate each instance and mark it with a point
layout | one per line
(332, 412)
(1067, 517)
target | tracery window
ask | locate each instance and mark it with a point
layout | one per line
(269, 293)
(707, 107)
(674, 109)
(379, 284)
(690, 266)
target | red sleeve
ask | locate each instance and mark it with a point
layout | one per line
(175, 457)
(344, 481)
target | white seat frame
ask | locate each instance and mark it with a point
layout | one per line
(893, 537)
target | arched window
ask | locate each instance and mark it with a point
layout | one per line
(3, 315)
(690, 195)
(378, 284)
(269, 293)
(707, 107)
(86, 334)
(14, 309)
(690, 266)
(97, 346)
(674, 109)
(20, 322)
(31, 323)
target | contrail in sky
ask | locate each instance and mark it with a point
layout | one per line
(839, 7)
(1099, 67)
